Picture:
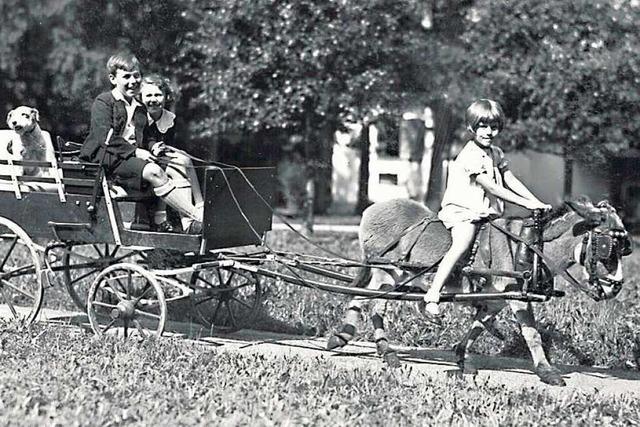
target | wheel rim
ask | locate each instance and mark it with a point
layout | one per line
(126, 299)
(225, 299)
(21, 288)
(81, 265)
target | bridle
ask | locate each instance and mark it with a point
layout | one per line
(601, 245)
(601, 239)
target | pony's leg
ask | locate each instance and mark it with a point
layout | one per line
(545, 371)
(354, 310)
(483, 320)
(380, 335)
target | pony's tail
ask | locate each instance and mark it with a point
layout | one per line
(362, 278)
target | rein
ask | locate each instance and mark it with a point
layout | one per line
(551, 264)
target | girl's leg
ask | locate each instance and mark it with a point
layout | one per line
(181, 171)
(462, 236)
(165, 188)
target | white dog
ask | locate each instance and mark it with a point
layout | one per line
(29, 142)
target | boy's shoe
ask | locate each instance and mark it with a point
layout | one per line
(164, 227)
(194, 228)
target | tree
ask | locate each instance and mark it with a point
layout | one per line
(53, 52)
(301, 66)
(566, 72)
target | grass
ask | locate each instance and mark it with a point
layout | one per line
(55, 375)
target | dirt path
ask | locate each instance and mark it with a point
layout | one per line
(503, 371)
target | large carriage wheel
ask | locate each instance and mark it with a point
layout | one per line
(226, 299)
(21, 288)
(82, 263)
(127, 298)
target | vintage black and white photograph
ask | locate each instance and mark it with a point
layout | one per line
(319, 212)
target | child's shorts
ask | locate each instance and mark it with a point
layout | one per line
(451, 215)
(128, 173)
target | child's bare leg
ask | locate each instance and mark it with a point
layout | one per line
(461, 238)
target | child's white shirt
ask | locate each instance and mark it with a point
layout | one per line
(129, 132)
(465, 200)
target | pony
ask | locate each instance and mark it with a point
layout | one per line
(579, 235)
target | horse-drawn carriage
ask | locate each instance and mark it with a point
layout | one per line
(79, 224)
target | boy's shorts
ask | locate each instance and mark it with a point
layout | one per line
(128, 173)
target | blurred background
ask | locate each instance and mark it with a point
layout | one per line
(356, 101)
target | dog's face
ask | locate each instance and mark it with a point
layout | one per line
(23, 119)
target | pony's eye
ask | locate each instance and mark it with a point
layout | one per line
(25, 115)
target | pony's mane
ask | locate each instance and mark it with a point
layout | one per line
(557, 223)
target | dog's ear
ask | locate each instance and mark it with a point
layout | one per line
(35, 114)
(9, 119)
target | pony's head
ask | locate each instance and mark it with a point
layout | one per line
(603, 242)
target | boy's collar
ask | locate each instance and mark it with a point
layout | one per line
(120, 97)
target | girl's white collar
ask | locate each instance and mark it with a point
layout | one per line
(165, 122)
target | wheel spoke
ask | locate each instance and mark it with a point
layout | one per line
(215, 312)
(241, 302)
(108, 284)
(110, 324)
(144, 291)
(232, 318)
(147, 314)
(205, 300)
(8, 302)
(22, 291)
(14, 241)
(128, 287)
(104, 304)
(138, 325)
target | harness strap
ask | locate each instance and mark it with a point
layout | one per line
(552, 266)
(424, 221)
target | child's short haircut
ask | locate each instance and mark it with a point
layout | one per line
(122, 61)
(484, 110)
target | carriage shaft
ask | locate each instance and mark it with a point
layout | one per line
(392, 295)
(525, 275)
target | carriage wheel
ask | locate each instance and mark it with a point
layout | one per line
(226, 299)
(82, 263)
(21, 288)
(126, 299)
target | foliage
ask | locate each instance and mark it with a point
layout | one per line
(53, 52)
(264, 64)
(566, 72)
(55, 375)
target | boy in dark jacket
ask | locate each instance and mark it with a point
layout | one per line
(124, 159)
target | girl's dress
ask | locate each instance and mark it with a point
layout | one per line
(464, 199)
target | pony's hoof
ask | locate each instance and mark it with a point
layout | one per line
(550, 375)
(336, 341)
(391, 358)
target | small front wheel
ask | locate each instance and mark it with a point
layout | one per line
(126, 299)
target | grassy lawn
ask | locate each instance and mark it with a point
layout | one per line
(56, 375)
(53, 375)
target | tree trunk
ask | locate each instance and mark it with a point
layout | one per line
(363, 180)
(443, 133)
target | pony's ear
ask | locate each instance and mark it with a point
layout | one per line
(584, 207)
(9, 118)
